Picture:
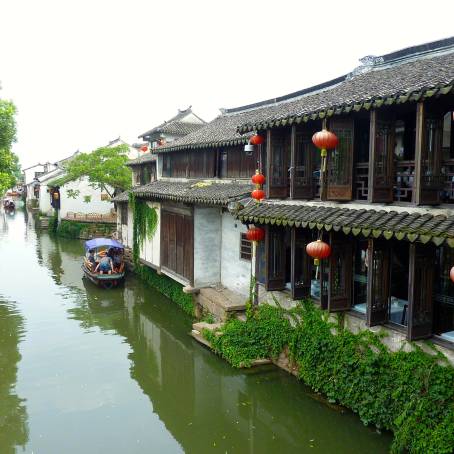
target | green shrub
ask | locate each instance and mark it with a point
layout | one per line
(167, 286)
(71, 229)
(410, 393)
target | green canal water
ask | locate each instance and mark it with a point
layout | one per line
(84, 370)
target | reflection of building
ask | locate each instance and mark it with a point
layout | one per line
(199, 398)
(13, 412)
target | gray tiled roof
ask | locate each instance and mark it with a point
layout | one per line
(411, 225)
(123, 197)
(190, 192)
(384, 83)
(146, 157)
(222, 131)
(175, 125)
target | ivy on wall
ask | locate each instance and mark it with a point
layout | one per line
(167, 286)
(409, 393)
(145, 222)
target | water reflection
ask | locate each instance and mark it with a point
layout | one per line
(204, 403)
(115, 371)
(13, 412)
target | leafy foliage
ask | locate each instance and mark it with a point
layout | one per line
(168, 287)
(145, 222)
(104, 167)
(9, 162)
(410, 393)
(73, 229)
(72, 194)
(87, 198)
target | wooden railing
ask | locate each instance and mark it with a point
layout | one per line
(110, 218)
(361, 180)
(403, 181)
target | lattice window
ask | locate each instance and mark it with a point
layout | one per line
(245, 247)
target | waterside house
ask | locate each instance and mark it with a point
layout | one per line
(198, 243)
(387, 207)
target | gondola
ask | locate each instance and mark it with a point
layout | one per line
(101, 247)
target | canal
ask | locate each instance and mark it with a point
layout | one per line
(84, 370)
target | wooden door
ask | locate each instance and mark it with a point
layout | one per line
(275, 258)
(340, 274)
(303, 152)
(301, 264)
(278, 150)
(420, 291)
(340, 160)
(378, 280)
(177, 243)
(431, 179)
(382, 156)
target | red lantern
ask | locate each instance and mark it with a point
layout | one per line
(258, 178)
(256, 140)
(255, 234)
(318, 250)
(258, 194)
(325, 140)
(451, 274)
(144, 148)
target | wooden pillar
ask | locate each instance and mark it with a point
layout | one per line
(292, 161)
(416, 198)
(268, 163)
(323, 175)
(372, 133)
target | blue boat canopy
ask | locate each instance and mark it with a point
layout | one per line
(98, 242)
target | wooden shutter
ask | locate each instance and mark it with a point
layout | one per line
(382, 156)
(340, 274)
(378, 279)
(302, 166)
(420, 291)
(278, 155)
(301, 265)
(431, 180)
(340, 161)
(275, 258)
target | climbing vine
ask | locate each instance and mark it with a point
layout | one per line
(145, 222)
(409, 393)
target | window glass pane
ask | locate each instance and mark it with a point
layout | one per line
(360, 276)
(444, 294)
(398, 308)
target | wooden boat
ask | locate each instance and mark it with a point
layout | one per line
(100, 246)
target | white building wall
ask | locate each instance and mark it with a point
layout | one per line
(44, 200)
(235, 272)
(77, 205)
(207, 246)
(151, 249)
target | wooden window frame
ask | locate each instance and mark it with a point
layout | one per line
(245, 248)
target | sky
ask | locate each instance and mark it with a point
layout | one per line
(85, 72)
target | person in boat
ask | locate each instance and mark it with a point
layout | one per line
(117, 259)
(91, 258)
(105, 265)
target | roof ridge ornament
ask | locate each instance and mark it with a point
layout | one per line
(367, 64)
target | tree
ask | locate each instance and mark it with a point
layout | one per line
(104, 167)
(9, 162)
